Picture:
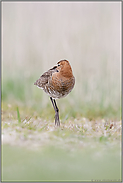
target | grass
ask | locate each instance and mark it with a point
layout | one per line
(84, 148)
(56, 164)
(18, 116)
(80, 149)
(89, 103)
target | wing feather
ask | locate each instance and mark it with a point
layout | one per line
(44, 78)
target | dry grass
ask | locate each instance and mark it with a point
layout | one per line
(36, 132)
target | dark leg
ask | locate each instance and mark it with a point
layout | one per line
(56, 114)
(57, 122)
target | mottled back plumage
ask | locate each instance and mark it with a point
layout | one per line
(44, 78)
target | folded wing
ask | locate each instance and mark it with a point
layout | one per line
(43, 80)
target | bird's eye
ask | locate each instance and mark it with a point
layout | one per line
(58, 65)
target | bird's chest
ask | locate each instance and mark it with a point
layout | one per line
(60, 84)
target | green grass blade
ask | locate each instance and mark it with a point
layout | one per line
(18, 116)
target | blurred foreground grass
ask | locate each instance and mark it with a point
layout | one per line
(55, 164)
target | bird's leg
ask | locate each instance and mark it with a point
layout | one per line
(56, 114)
(57, 122)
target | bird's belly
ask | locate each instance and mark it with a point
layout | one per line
(59, 89)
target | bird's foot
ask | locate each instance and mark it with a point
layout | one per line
(57, 121)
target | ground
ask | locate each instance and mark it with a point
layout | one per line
(80, 149)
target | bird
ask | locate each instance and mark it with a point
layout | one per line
(57, 82)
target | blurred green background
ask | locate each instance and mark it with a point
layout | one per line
(35, 36)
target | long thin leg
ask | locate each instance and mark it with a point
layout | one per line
(57, 114)
(57, 122)
(53, 103)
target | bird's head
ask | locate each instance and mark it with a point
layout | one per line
(63, 66)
